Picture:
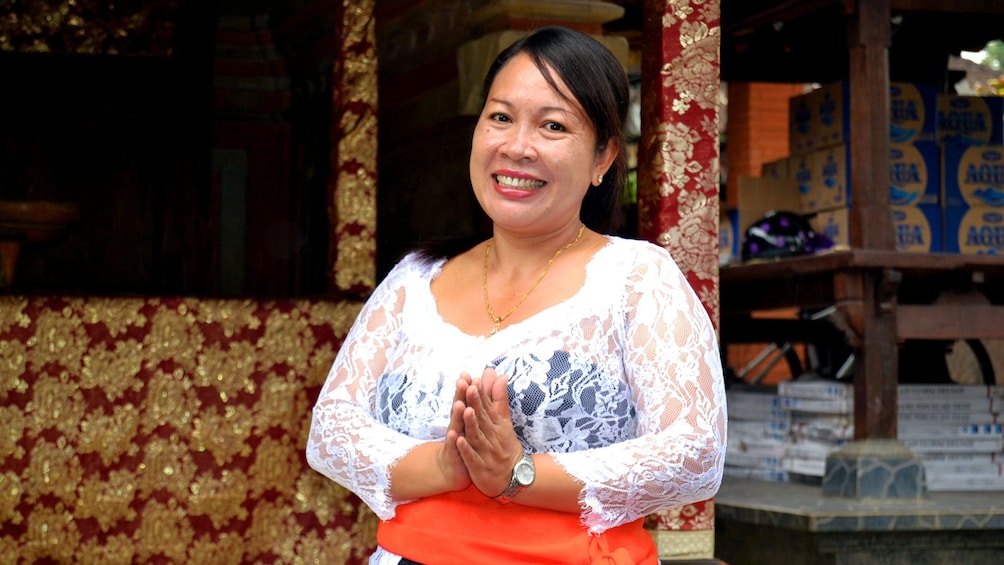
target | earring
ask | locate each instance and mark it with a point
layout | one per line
(599, 180)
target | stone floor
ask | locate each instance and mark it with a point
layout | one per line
(764, 522)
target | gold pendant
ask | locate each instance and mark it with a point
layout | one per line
(496, 328)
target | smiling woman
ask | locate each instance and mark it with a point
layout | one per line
(595, 399)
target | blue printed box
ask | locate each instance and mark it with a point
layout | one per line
(973, 176)
(823, 179)
(974, 231)
(970, 120)
(914, 174)
(919, 229)
(821, 118)
(728, 236)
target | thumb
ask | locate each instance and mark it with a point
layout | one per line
(500, 396)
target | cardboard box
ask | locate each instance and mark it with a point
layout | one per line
(759, 195)
(821, 118)
(801, 133)
(974, 231)
(777, 169)
(972, 121)
(914, 174)
(728, 236)
(973, 176)
(919, 229)
(914, 177)
(913, 112)
(826, 185)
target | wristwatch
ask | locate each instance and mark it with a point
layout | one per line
(522, 476)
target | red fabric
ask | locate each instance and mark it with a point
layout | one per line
(467, 527)
(678, 163)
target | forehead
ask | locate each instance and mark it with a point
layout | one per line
(522, 71)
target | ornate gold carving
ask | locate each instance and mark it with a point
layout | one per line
(94, 27)
(352, 208)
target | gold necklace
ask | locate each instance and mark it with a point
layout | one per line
(484, 281)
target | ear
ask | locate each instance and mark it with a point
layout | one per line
(604, 158)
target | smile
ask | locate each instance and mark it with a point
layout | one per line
(522, 184)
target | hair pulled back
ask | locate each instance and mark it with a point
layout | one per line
(598, 83)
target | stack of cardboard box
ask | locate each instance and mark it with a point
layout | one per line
(946, 170)
(785, 433)
(957, 431)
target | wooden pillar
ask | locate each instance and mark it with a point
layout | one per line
(869, 37)
(678, 179)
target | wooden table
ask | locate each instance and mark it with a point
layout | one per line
(881, 298)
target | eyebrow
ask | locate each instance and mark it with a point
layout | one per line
(559, 109)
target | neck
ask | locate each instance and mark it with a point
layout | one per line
(515, 254)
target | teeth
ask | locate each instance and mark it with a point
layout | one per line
(512, 182)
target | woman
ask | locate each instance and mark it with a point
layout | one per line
(533, 398)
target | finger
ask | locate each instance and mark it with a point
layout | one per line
(488, 377)
(500, 397)
(469, 454)
(456, 424)
(478, 399)
(461, 385)
(472, 427)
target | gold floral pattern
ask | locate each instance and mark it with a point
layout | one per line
(679, 168)
(105, 27)
(678, 154)
(169, 430)
(352, 192)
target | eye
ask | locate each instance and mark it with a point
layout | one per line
(554, 126)
(499, 117)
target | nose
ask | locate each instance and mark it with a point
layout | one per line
(519, 143)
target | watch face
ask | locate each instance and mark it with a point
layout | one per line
(524, 472)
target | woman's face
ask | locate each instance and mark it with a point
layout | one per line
(533, 155)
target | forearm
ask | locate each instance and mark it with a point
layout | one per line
(418, 474)
(552, 488)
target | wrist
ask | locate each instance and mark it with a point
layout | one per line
(523, 474)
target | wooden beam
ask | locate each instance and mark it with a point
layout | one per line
(989, 7)
(949, 321)
(784, 10)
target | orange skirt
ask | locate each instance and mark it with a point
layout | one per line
(466, 527)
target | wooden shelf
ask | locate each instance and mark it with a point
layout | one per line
(815, 282)
(882, 296)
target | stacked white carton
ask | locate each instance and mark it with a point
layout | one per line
(822, 420)
(785, 433)
(957, 430)
(758, 433)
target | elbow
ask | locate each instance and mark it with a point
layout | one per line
(315, 450)
(713, 458)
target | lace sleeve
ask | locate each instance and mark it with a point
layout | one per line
(672, 363)
(346, 442)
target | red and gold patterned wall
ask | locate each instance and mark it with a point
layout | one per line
(155, 430)
(678, 185)
(171, 430)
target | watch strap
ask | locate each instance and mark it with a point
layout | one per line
(515, 486)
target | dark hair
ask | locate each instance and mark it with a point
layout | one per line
(599, 84)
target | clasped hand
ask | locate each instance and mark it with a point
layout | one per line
(481, 446)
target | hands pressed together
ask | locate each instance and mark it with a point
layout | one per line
(481, 446)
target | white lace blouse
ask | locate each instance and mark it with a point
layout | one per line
(621, 384)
